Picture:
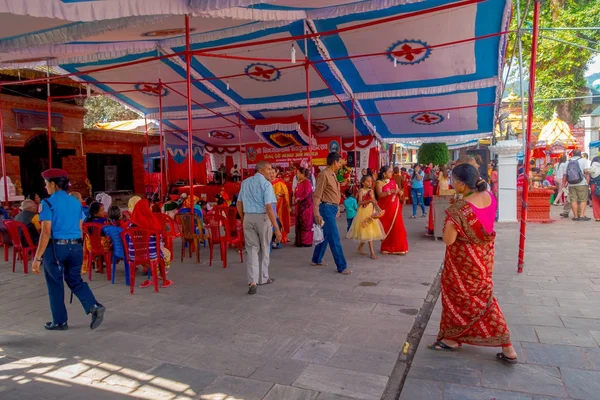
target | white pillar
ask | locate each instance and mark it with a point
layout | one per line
(507, 151)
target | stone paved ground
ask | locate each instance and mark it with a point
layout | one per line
(552, 311)
(313, 334)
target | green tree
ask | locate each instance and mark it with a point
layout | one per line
(560, 66)
(436, 153)
(104, 109)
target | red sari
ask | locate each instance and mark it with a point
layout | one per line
(283, 207)
(304, 214)
(470, 313)
(395, 241)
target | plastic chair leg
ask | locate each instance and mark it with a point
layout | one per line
(197, 246)
(114, 271)
(14, 258)
(90, 267)
(241, 251)
(127, 276)
(131, 278)
(25, 261)
(153, 267)
(107, 257)
(210, 247)
(224, 254)
(182, 248)
(5, 252)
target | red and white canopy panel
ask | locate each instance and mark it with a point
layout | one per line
(418, 71)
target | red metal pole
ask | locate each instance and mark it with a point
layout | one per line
(240, 141)
(355, 145)
(188, 62)
(532, 69)
(148, 164)
(3, 170)
(49, 130)
(160, 138)
(310, 137)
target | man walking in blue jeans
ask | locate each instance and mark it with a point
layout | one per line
(327, 198)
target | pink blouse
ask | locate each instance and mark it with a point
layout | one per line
(486, 215)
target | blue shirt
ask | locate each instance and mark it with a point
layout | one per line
(418, 184)
(66, 215)
(351, 206)
(256, 193)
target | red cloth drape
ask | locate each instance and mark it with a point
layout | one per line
(181, 172)
(374, 158)
(228, 163)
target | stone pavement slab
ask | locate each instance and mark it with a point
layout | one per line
(313, 334)
(554, 320)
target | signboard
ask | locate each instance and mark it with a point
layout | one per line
(294, 154)
(578, 132)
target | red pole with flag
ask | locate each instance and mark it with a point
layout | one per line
(532, 69)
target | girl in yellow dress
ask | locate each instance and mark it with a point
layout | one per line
(366, 226)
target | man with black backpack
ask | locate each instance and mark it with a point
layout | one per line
(577, 180)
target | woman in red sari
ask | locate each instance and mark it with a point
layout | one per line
(304, 209)
(470, 313)
(390, 199)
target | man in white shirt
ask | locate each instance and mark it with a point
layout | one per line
(578, 191)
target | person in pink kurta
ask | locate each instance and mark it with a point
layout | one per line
(304, 209)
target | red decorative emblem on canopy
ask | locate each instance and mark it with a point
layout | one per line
(263, 72)
(427, 118)
(221, 135)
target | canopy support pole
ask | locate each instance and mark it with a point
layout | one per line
(521, 83)
(310, 136)
(356, 158)
(240, 141)
(160, 145)
(49, 132)
(49, 100)
(148, 164)
(188, 70)
(3, 155)
(527, 139)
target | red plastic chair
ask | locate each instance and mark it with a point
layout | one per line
(23, 251)
(234, 224)
(189, 235)
(170, 232)
(139, 240)
(218, 227)
(93, 233)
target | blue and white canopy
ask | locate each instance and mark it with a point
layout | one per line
(432, 74)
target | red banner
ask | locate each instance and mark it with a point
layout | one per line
(292, 155)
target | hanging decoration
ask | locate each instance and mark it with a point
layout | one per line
(282, 132)
(180, 153)
(319, 127)
(361, 142)
(221, 149)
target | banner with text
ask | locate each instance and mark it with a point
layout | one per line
(294, 154)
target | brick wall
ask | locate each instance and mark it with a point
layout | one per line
(13, 170)
(76, 166)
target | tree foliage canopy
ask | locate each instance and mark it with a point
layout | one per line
(104, 109)
(560, 66)
(436, 153)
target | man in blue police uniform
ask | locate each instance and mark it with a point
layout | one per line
(61, 250)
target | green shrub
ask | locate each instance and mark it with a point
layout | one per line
(436, 153)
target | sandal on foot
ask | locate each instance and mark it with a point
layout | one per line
(252, 289)
(167, 283)
(346, 272)
(146, 283)
(441, 346)
(269, 281)
(503, 357)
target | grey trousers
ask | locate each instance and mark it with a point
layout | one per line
(258, 232)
